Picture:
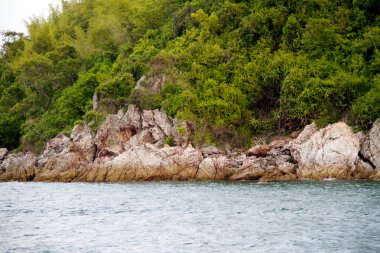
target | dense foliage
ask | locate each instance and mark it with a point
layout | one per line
(235, 68)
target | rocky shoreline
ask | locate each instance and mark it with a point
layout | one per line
(131, 147)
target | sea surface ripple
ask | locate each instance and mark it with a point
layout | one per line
(176, 217)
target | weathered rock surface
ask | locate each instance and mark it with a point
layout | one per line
(3, 153)
(19, 167)
(134, 146)
(117, 130)
(148, 162)
(153, 83)
(65, 159)
(259, 150)
(328, 153)
(370, 147)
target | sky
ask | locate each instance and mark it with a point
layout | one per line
(14, 13)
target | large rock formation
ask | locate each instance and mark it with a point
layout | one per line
(328, 153)
(134, 146)
(67, 159)
(148, 162)
(20, 167)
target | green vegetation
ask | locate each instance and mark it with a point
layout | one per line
(235, 68)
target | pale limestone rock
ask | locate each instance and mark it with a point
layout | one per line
(132, 119)
(329, 153)
(148, 119)
(130, 147)
(285, 164)
(214, 168)
(207, 170)
(163, 122)
(147, 162)
(304, 136)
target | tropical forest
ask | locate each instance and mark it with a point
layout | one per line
(235, 69)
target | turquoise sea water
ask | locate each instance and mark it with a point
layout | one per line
(289, 217)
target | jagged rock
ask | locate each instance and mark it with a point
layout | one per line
(273, 148)
(148, 119)
(294, 145)
(285, 164)
(235, 161)
(18, 167)
(254, 168)
(3, 153)
(118, 130)
(53, 147)
(82, 140)
(206, 170)
(65, 159)
(259, 150)
(370, 147)
(209, 151)
(363, 170)
(280, 142)
(329, 153)
(181, 132)
(304, 136)
(111, 136)
(266, 169)
(153, 83)
(295, 134)
(147, 162)
(361, 137)
(132, 119)
(215, 168)
(95, 101)
(130, 146)
(163, 122)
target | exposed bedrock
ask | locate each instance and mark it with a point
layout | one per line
(133, 146)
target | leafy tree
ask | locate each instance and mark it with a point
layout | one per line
(234, 68)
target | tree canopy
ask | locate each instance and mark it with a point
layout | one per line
(234, 68)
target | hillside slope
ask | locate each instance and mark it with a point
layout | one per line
(235, 69)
